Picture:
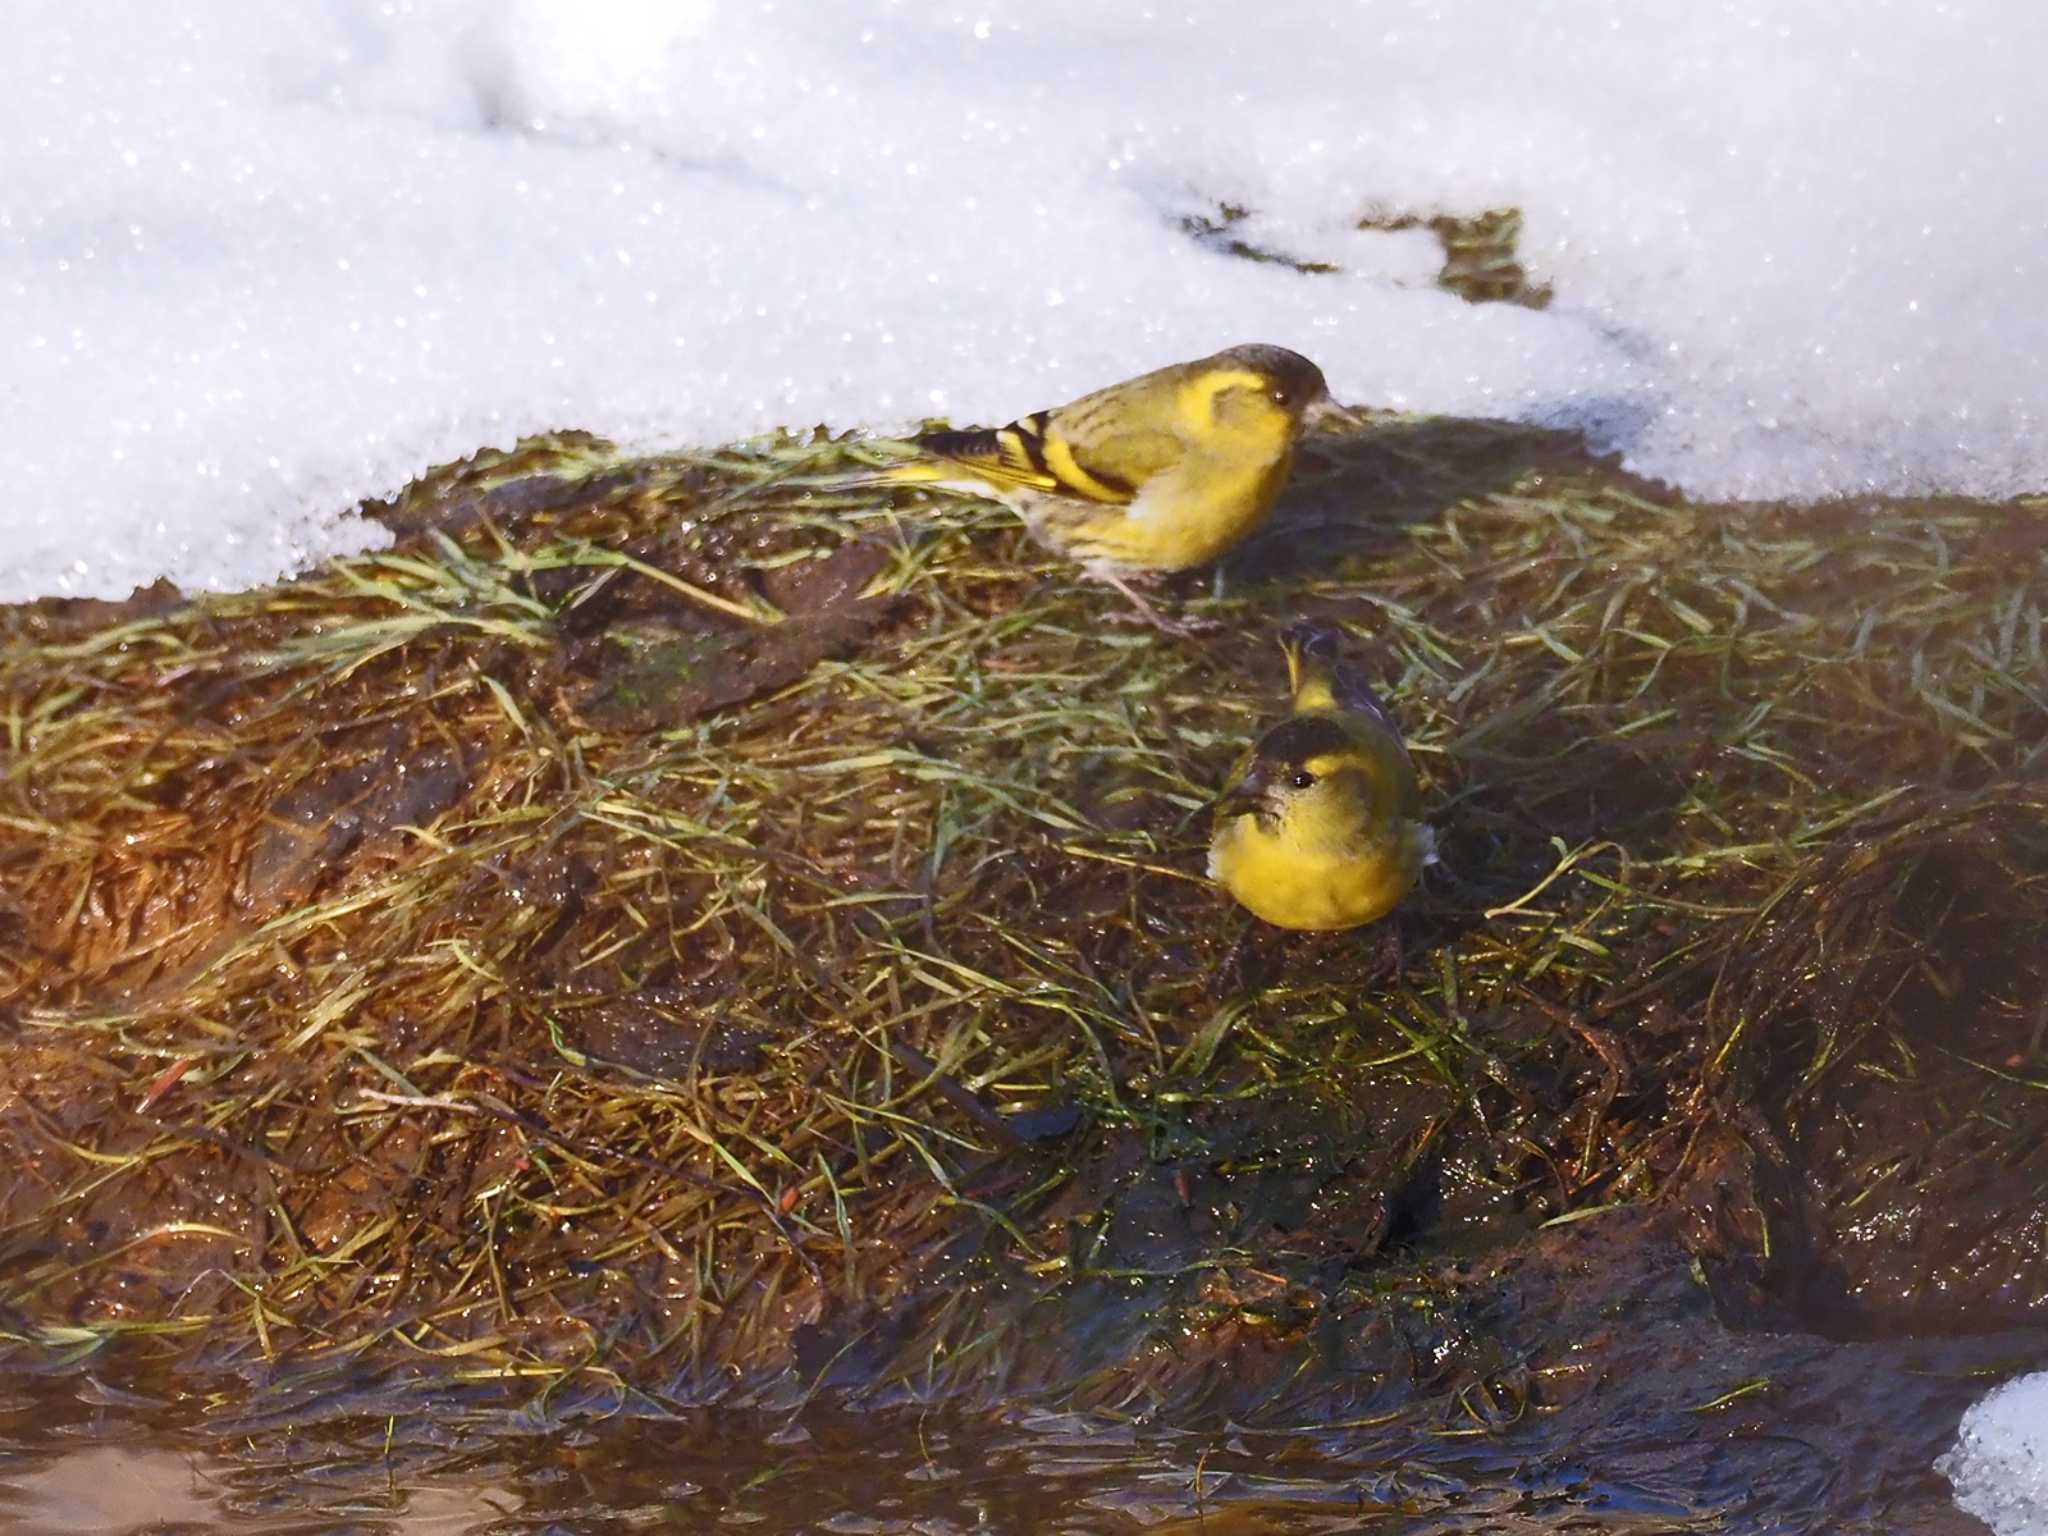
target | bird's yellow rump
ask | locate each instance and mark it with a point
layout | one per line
(1160, 473)
(1320, 825)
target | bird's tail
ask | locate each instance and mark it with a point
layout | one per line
(1311, 653)
(1318, 678)
(880, 470)
(917, 472)
(966, 444)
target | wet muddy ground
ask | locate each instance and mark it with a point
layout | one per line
(677, 933)
(1839, 1441)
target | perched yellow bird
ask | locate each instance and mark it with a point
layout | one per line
(1160, 473)
(1321, 824)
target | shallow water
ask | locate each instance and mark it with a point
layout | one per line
(81, 1457)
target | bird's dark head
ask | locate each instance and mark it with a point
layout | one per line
(1290, 764)
(1261, 379)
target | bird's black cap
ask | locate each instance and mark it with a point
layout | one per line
(1290, 372)
(1294, 742)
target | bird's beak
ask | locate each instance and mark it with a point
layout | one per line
(1328, 413)
(1245, 798)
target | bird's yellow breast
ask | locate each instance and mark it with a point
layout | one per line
(1291, 885)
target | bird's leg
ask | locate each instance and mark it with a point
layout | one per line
(1392, 958)
(1186, 628)
(1228, 979)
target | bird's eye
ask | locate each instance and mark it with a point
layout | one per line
(1302, 779)
(1280, 397)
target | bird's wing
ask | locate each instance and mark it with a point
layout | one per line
(1121, 461)
(1086, 455)
(1101, 448)
(1112, 442)
(1002, 456)
(1353, 693)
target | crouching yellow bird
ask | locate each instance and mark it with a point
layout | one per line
(1321, 824)
(1160, 473)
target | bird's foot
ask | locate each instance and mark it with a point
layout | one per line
(1227, 980)
(1391, 957)
(1182, 628)
(1143, 612)
(1244, 968)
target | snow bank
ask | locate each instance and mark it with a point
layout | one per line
(259, 261)
(2000, 1462)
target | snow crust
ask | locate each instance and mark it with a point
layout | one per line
(259, 261)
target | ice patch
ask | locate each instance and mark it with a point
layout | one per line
(2000, 1462)
(259, 261)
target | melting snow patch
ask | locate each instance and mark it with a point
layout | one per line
(2000, 1462)
(259, 261)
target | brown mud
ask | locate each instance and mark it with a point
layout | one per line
(670, 932)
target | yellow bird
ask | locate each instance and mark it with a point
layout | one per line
(1160, 473)
(1320, 825)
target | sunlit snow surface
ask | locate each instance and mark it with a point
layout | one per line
(2000, 1462)
(259, 260)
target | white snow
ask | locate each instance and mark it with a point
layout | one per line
(260, 260)
(2000, 1462)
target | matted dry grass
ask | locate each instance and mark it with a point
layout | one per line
(663, 923)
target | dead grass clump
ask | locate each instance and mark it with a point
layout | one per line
(659, 921)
